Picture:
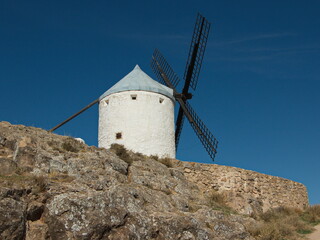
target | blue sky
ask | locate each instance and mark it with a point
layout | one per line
(258, 89)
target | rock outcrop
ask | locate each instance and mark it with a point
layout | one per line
(55, 187)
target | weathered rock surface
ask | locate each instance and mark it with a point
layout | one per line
(55, 187)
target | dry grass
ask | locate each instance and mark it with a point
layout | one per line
(166, 161)
(36, 183)
(13, 178)
(285, 223)
(155, 157)
(312, 215)
(121, 152)
(40, 184)
(129, 156)
(60, 177)
(126, 155)
(216, 198)
(68, 145)
(193, 206)
(217, 201)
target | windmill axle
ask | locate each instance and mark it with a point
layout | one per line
(184, 97)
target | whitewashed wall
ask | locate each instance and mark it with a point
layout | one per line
(146, 125)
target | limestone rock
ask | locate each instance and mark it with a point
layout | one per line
(37, 230)
(55, 187)
(12, 219)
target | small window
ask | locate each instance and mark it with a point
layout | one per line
(106, 102)
(119, 135)
(161, 100)
(134, 96)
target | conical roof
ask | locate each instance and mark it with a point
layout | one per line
(137, 80)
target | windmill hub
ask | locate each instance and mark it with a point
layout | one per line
(188, 96)
(184, 97)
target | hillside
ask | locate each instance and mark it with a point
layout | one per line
(55, 187)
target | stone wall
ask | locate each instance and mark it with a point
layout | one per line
(246, 191)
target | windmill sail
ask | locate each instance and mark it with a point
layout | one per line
(207, 139)
(166, 75)
(180, 120)
(193, 66)
(196, 52)
(171, 75)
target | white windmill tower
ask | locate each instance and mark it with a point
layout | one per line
(138, 112)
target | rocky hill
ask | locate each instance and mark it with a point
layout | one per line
(55, 187)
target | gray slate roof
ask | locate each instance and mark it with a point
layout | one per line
(137, 80)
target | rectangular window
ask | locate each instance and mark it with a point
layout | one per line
(118, 135)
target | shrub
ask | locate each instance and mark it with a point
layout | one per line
(216, 198)
(217, 201)
(40, 184)
(70, 146)
(121, 152)
(278, 213)
(166, 161)
(312, 215)
(155, 157)
(139, 156)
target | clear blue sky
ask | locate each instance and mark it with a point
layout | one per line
(258, 89)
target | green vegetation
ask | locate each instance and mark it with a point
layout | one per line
(285, 223)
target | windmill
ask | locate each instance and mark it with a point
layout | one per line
(168, 77)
